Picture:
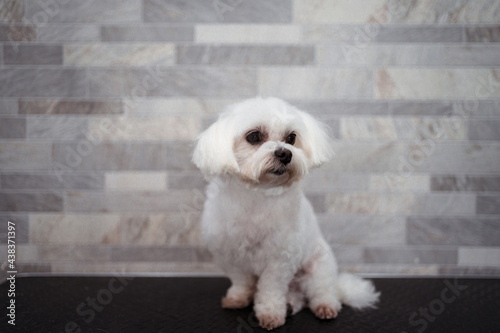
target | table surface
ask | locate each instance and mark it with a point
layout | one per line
(192, 304)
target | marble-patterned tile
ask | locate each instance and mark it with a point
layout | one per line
(12, 128)
(484, 129)
(56, 127)
(30, 202)
(339, 12)
(151, 128)
(149, 201)
(160, 229)
(70, 107)
(87, 180)
(79, 201)
(147, 33)
(134, 180)
(88, 11)
(469, 271)
(486, 34)
(465, 183)
(245, 55)
(257, 11)
(488, 204)
(25, 155)
(42, 82)
(315, 83)
(363, 230)
(74, 253)
(317, 201)
(319, 180)
(17, 33)
(335, 107)
(162, 254)
(477, 108)
(370, 203)
(479, 256)
(32, 54)
(63, 33)
(405, 83)
(473, 231)
(74, 229)
(178, 155)
(182, 82)
(176, 106)
(421, 108)
(110, 156)
(247, 33)
(419, 34)
(12, 11)
(410, 182)
(137, 267)
(409, 255)
(135, 54)
(8, 107)
(347, 254)
(445, 204)
(20, 221)
(397, 270)
(27, 253)
(105, 82)
(180, 180)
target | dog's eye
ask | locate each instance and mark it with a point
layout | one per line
(254, 138)
(290, 139)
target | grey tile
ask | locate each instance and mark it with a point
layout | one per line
(93, 180)
(150, 201)
(25, 155)
(86, 155)
(408, 255)
(84, 201)
(8, 106)
(332, 107)
(76, 107)
(245, 55)
(177, 254)
(418, 34)
(324, 180)
(482, 34)
(178, 180)
(106, 82)
(21, 225)
(210, 82)
(30, 202)
(12, 128)
(488, 205)
(477, 108)
(421, 108)
(150, 33)
(473, 231)
(257, 11)
(12, 11)
(68, 33)
(484, 129)
(33, 54)
(87, 11)
(40, 82)
(74, 253)
(318, 201)
(17, 33)
(57, 127)
(469, 271)
(465, 183)
(438, 204)
(178, 156)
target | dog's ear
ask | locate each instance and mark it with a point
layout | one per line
(213, 153)
(317, 140)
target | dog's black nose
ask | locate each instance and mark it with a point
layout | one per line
(284, 155)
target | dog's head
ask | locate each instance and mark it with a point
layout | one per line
(265, 142)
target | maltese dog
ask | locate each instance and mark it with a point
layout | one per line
(258, 224)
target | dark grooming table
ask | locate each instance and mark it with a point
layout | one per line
(192, 304)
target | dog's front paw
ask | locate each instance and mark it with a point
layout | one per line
(230, 302)
(324, 311)
(270, 322)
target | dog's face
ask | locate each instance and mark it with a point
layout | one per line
(265, 142)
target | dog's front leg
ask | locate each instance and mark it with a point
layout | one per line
(241, 292)
(270, 298)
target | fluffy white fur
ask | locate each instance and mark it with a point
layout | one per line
(257, 222)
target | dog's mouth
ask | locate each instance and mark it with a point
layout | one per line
(279, 171)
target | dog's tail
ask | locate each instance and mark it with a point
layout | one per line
(357, 292)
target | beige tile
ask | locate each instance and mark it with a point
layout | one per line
(340, 11)
(74, 253)
(395, 182)
(119, 54)
(370, 203)
(136, 180)
(146, 268)
(176, 106)
(247, 33)
(74, 229)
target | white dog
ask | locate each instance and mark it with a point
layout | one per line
(257, 222)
